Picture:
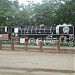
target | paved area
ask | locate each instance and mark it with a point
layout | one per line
(36, 63)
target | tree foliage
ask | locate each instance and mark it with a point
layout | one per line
(66, 13)
(50, 12)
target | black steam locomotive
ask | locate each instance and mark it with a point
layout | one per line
(42, 31)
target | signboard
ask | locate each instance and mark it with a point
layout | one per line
(22, 40)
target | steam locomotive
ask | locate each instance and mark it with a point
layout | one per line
(42, 31)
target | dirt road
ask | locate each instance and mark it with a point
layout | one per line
(36, 63)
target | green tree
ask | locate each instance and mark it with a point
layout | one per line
(45, 12)
(66, 13)
(8, 9)
(50, 12)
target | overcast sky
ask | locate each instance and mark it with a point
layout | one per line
(25, 1)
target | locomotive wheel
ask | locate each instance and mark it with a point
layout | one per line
(71, 44)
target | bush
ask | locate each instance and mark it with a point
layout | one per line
(33, 43)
